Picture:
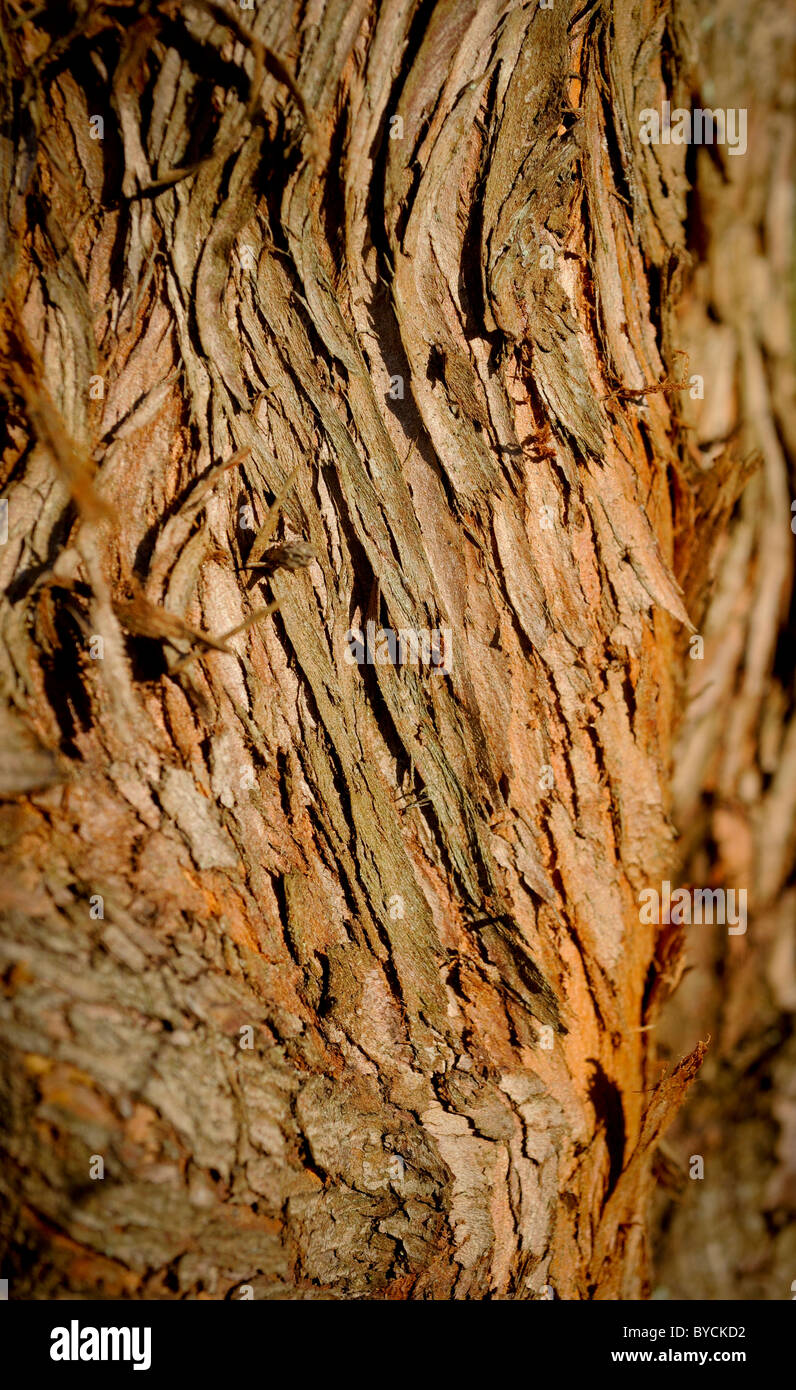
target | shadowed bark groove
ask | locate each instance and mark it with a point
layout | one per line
(367, 1009)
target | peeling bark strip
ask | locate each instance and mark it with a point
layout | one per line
(415, 258)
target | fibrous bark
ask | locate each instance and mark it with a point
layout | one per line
(732, 1233)
(368, 1009)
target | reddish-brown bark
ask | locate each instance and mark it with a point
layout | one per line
(369, 1011)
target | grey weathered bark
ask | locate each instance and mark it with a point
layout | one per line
(413, 892)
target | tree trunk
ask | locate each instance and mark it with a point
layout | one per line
(324, 973)
(732, 1232)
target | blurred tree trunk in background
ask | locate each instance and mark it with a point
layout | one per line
(328, 978)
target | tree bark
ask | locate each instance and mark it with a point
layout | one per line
(338, 966)
(732, 1233)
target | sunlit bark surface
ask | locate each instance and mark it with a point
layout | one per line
(337, 966)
